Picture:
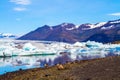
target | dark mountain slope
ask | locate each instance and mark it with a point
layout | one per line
(68, 32)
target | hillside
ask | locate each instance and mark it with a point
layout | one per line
(104, 32)
(96, 69)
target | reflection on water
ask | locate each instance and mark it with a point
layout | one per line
(9, 64)
(61, 52)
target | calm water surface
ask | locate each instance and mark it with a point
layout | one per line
(10, 64)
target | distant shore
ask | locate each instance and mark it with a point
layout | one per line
(95, 69)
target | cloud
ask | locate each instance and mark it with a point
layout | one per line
(19, 9)
(21, 2)
(115, 14)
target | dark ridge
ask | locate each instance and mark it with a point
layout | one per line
(67, 32)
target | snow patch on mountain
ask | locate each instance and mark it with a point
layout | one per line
(64, 24)
(99, 24)
(51, 27)
(70, 28)
(7, 35)
(77, 26)
(115, 22)
(96, 25)
(92, 26)
(104, 28)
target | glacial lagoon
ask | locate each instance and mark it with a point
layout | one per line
(15, 55)
(9, 64)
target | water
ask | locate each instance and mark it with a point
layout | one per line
(9, 64)
(79, 51)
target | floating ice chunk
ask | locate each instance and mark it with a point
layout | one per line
(78, 44)
(94, 44)
(29, 47)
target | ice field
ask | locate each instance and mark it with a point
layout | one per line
(30, 48)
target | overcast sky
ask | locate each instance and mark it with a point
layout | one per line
(22, 16)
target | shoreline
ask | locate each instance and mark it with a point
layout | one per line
(78, 70)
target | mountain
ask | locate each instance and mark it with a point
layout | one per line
(7, 35)
(104, 32)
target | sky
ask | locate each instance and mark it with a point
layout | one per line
(23, 16)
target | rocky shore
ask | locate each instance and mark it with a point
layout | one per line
(95, 69)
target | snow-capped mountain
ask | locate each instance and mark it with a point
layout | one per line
(67, 32)
(115, 21)
(91, 26)
(7, 35)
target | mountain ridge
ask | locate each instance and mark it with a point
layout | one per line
(104, 32)
(7, 35)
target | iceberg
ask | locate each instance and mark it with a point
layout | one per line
(29, 47)
(34, 48)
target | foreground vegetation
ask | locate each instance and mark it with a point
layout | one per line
(116, 42)
(96, 69)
